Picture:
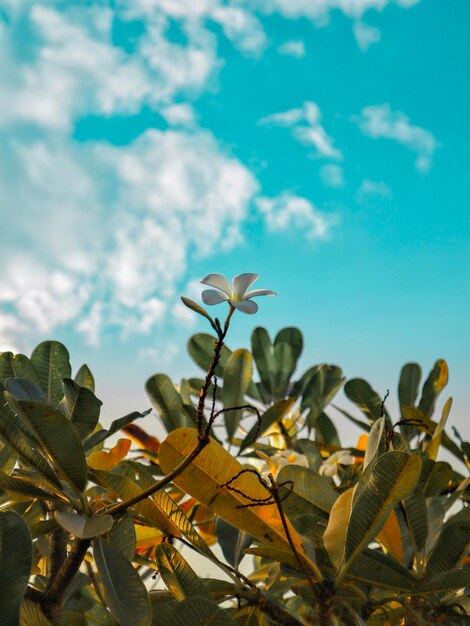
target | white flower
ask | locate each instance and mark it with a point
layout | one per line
(236, 293)
(330, 466)
(277, 461)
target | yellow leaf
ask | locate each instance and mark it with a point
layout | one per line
(432, 447)
(146, 537)
(102, 460)
(205, 480)
(334, 536)
(442, 379)
(390, 537)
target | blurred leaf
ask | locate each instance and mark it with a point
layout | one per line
(81, 406)
(432, 448)
(177, 575)
(416, 518)
(293, 337)
(15, 564)
(59, 438)
(423, 423)
(321, 388)
(285, 367)
(24, 389)
(167, 401)
(31, 615)
(199, 612)
(102, 460)
(274, 414)
(204, 480)
(237, 377)
(13, 435)
(310, 491)
(366, 399)
(408, 387)
(232, 542)
(83, 526)
(434, 384)
(263, 355)
(84, 378)
(325, 430)
(201, 350)
(51, 360)
(142, 438)
(125, 593)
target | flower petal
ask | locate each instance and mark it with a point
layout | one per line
(246, 306)
(210, 296)
(258, 292)
(241, 283)
(219, 282)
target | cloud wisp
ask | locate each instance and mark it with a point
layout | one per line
(381, 122)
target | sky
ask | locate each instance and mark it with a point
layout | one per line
(323, 144)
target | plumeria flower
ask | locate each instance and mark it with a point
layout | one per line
(277, 461)
(330, 466)
(236, 293)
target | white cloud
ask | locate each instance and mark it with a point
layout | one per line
(242, 27)
(379, 121)
(371, 189)
(293, 48)
(181, 114)
(291, 211)
(318, 10)
(306, 128)
(366, 35)
(332, 175)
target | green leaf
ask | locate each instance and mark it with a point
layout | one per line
(274, 414)
(379, 570)
(312, 493)
(324, 383)
(232, 542)
(237, 377)
(451, 545)
(293, 337)
(325, 430)
(84, 378)
(163, 605)
(434, 384)
(408, 386)
(417, 519)
(12, 434)
(167, 401)
(201, 350)
(116, 425)
(25, 487)
(432, 447)
(263, 355)
(125, 593)
(24, 389)
(200, 612)
(15, 564)
(122, 535)
(177, 575)
(285, 367)
(83, 526)
(451, 580)
(365, 398)
(197, 308)
(17, 366)
(81, 406)
(59, 438)
(51, 360)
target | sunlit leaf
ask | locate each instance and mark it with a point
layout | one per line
(31, 615)
(389, 537)
(274, 414)
(434, 384)
(15, 565)
(125, 593)
(205, 480)
(311, 491)
(84, 378)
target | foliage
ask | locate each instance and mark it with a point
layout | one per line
(376, 534)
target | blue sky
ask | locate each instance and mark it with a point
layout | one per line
(322, 144)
